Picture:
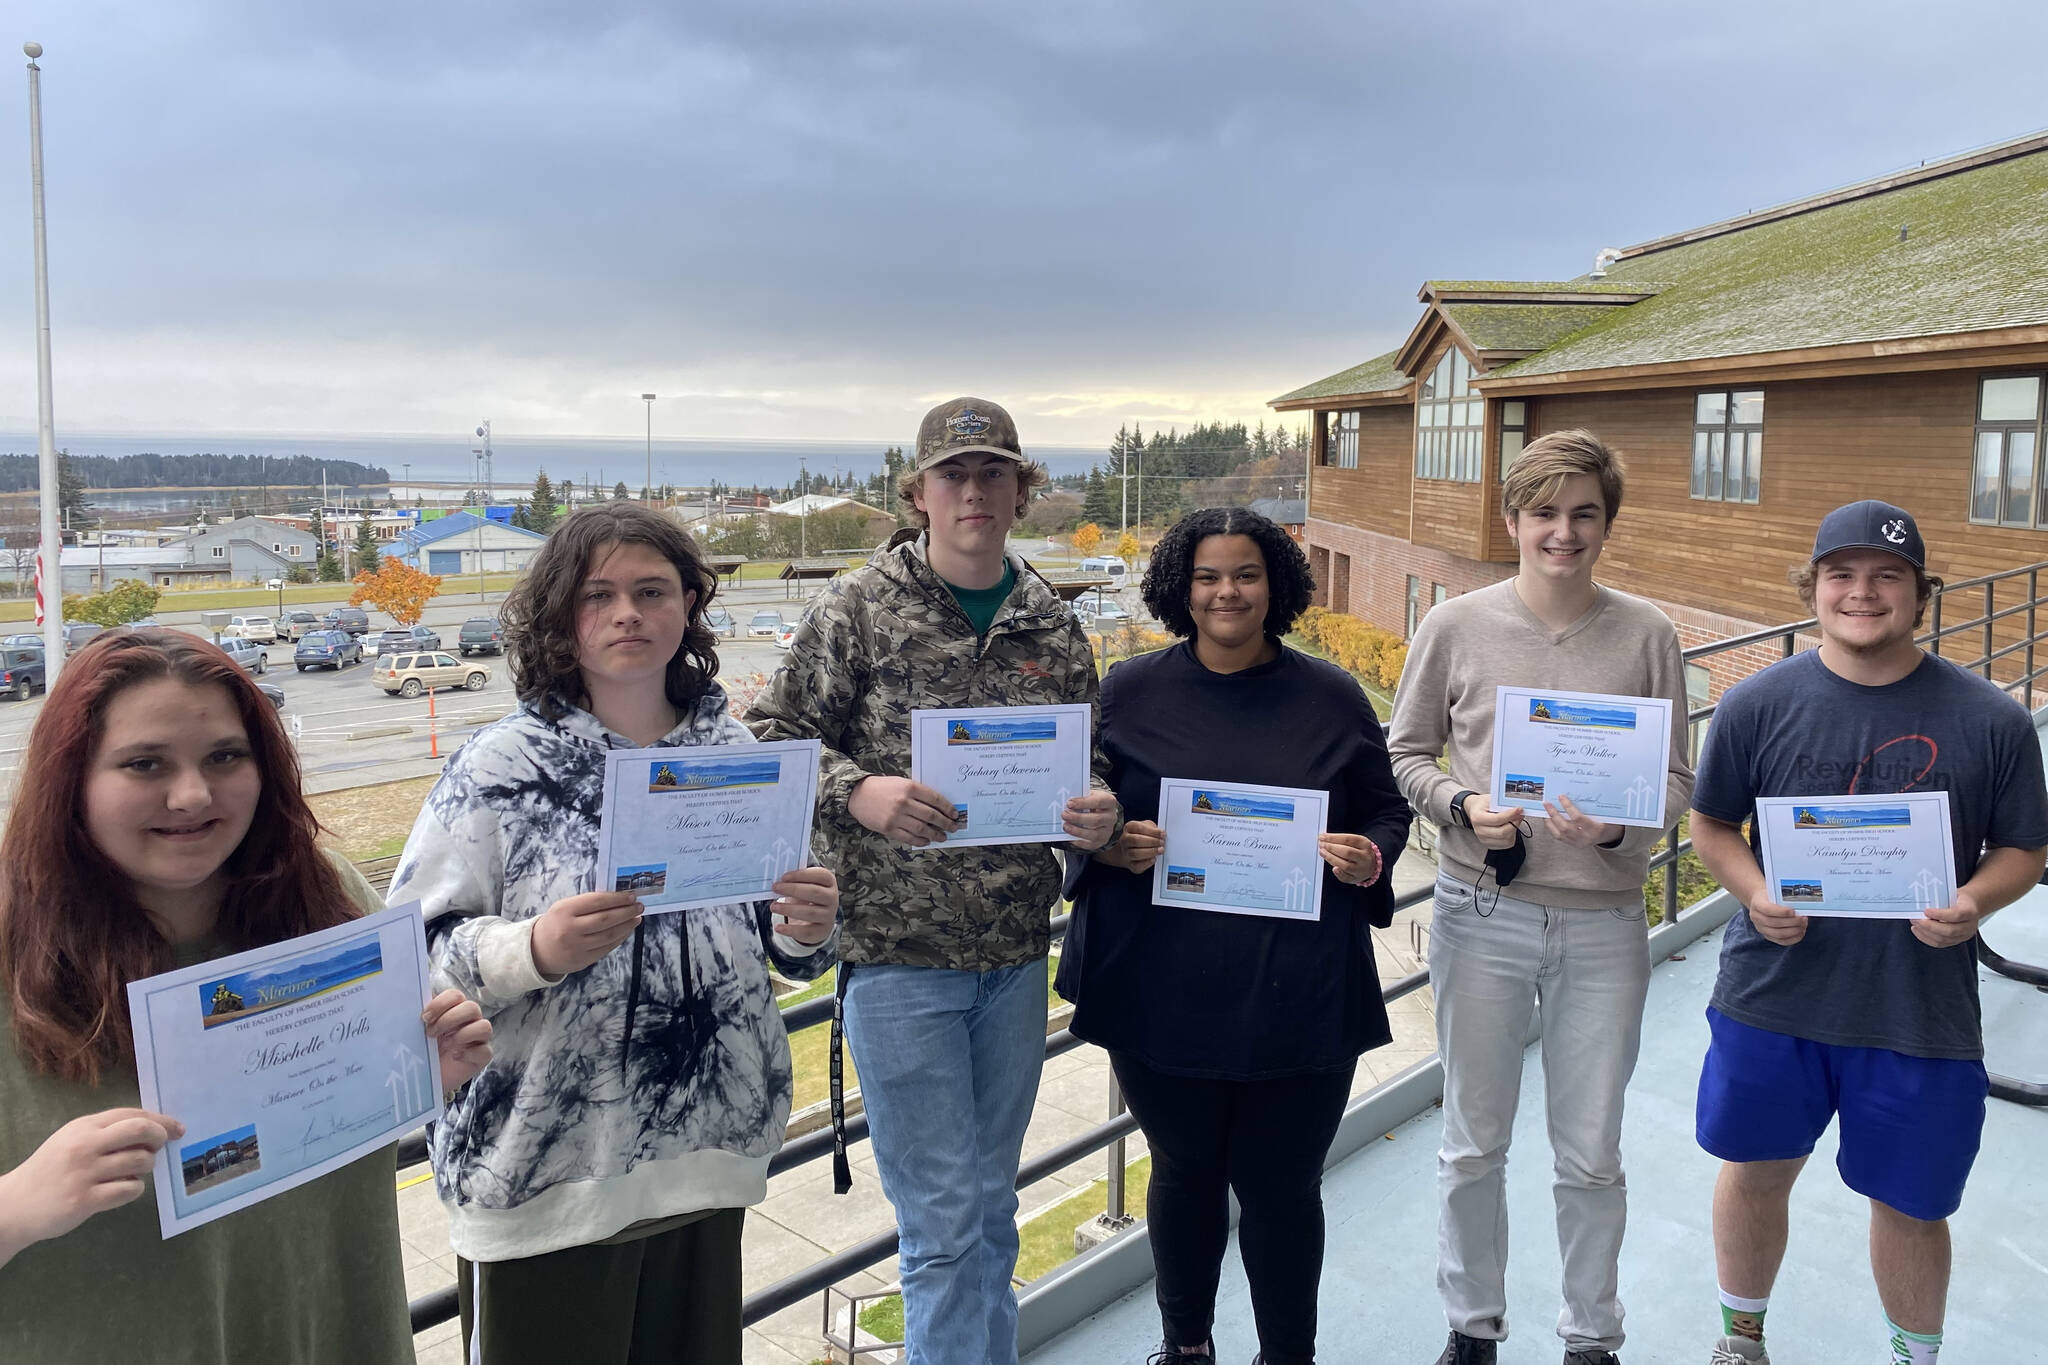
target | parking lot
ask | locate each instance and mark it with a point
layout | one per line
(350, 732)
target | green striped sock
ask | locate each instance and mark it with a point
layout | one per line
(1913, 1348)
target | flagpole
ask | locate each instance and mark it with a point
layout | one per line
(50, 552)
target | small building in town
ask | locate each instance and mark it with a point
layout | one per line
(1887, 340)
(462, 542)
(252, 549)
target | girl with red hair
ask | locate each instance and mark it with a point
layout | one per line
(158, 823)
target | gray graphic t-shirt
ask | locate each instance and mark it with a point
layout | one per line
(1797, 729)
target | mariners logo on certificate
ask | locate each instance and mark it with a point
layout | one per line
(1610, 755)
(285, 1062)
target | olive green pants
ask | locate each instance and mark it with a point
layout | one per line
(669, 1299)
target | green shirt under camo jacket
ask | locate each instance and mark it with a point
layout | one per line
(884, 640)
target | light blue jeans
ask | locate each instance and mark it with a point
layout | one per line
(1491, 960)
(949, 1064)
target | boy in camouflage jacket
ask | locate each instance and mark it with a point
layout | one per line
(943, 982)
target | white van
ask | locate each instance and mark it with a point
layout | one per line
(1111, 567)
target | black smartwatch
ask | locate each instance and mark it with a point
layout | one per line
(1458, 816)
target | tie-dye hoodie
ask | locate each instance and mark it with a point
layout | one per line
(652, 1083)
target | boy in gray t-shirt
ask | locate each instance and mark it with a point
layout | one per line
(1877, 1020)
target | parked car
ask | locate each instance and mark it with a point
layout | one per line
(480, 635)
(721, 622)
(765, 625)
(785, 637)
(296, 625)
(354, 620)
(274, 693)
(1111, 567)
(146, 623)
(405, 639)
(335, 649)
(80, 633)
(1103, 613)
(248, 654)
(261, 629)
(22, 642)
(408, 675)
(21, 673)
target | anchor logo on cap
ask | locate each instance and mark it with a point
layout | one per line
(1894, 531)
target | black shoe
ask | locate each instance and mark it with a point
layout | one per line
(1464, 1350)
(1170, 1354)
(1591, 1358)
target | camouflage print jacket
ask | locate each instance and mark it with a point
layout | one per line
(885, 639)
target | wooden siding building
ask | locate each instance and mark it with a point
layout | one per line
(1885, 340)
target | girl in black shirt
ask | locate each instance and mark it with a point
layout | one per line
(1235, 1037)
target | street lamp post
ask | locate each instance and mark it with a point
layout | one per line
(483, 456)
(647, 490)
(50, 553)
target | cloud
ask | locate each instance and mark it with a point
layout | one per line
(800, 217)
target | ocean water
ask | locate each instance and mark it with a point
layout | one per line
(515, 460)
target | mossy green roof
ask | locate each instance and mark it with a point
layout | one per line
(1975, 257)
(1523, 326)
(1377, 375)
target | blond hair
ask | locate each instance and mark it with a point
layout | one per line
(1546, 462)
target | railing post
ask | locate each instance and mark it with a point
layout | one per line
(1939, 594)
(2033, 601)
(1990, 607)
(1114, 1210)
(1671, 875)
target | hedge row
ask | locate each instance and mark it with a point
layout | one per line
(1375, 655)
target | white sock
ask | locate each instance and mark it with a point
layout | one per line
(1912, 1348)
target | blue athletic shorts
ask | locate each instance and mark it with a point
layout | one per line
(1910, 1125)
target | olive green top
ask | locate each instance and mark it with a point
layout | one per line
(310, 1277)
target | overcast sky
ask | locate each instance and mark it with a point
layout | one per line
(812, 220)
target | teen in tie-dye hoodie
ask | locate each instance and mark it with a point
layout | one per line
(594, 1174)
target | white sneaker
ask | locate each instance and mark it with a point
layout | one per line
(1739, 1351)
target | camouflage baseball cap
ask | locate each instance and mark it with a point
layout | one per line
(965, 426)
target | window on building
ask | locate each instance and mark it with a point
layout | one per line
(1450, 422)
(1414, 604)
(2005, 474)
(1728, 445)
(1340, 439)
(276, 547)
(1438, 594)
(1340, 585)
(294, 551)
(1514, 433)
(220, 552)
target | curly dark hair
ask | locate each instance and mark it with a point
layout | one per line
(539, 615)
(1291, 586)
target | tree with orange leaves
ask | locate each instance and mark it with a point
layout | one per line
(1086, 537)
(398, 590)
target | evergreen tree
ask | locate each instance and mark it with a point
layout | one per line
(540, 510)
(1102, 501)
(72, 508)
(368, 557)
(619, 491)
(519, 516)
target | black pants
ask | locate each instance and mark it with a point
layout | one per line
(669, 1299)
(1265, 1141)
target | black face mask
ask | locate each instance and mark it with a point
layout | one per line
(1507, 862)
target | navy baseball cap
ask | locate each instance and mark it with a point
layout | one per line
(1871, 525)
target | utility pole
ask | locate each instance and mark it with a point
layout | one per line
(803, 510)
(647, 489)
(483, 454)
(50, 554)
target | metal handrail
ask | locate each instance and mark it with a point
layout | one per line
(438, 1307)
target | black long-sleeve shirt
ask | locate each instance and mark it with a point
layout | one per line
(1223, 996)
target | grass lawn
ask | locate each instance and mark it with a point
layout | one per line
(1045, 1243)
(371, 822)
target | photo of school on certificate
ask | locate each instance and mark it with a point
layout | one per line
(686, 828)
(1010, 770)
(1871, 857)
(1241, 849)
(285, 1062)
(1610, 755)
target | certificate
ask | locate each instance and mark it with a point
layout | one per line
(285, 1062)
(692, 827)
(1866, 857)
(1009, 769)
(1241, 849)
(1610, 755)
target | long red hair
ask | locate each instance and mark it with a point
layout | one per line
(72, 934)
